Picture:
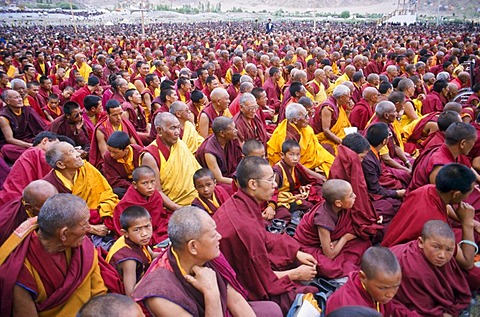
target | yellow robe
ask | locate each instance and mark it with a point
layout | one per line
(312, 154)
(337, 129)
(191, 137)
(84, 71)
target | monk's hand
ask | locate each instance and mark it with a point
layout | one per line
(476, 226)
(268, 213)
(98, 230)
(349, 236)
(306, 259)
(79, 124)
(400, 193)
(465, 212)
(204, 279)
(304, 273)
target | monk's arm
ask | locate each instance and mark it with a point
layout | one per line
(102, 144)
(203, 125)
(433, 174)
(392, 163)
(476, 163)
(148, 102)
(139, 85)
(410, 110)
(49, 117)
(401, 155)
(23, 304)
(466, 252)
(236, 304)
(430, 127)
(477, 177)
(326, 125)
(325, 242)
(147, 159)
(126, 115)
(315, 175)
(212, 164)
(162, 307)
(133, 141)
(301, 273)
(129, 275)
(8, 134)
(205, 280)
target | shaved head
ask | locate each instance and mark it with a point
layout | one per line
(335, 189)
(437, 228)
(379, 259)
(36, 193)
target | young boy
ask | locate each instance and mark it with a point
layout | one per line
(326, 232)
(210, 196)
(53, 110)
(433, 284)
(253, 147)
(373, 286)
(130, 254)
(142, 193)
(299, 188)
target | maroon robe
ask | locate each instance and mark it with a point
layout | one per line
(273, 94)
(254, 130)
(115, 172)
(220, 194)
(62, 126)
(133, 252)
(349, 258)
(252, 250)
(154, 205)
(12, 215)
(347, 166)
(361, 113)
(475, 151)
(30, 166)
(427, 289)
(416, 138)
(234, 106)
(80, 94)
(434, 102)
(316, 120)
(435, 139)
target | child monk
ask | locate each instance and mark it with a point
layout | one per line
(210, 196)
(142, 193)
(299, 188)
(373, 286)
(433, 283)
(130, 254)
(326, 232)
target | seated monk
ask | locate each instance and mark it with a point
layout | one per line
(210, 196)
(331, 118)
(19, 125)
(110, 305)
(249, 122)
(112, 122)
(437, 98)
(54, 270)
(322, 232)
(265, 262)
(196, 278)
(217, 107)
(14, 212)
(30, 166)
(432, 280)
(72, 125)
(169, 156)
(221, 152)
(133, 111)
(363, 110)
(143, 193)
(71, 174)
(295, 126)
(373, 286)
(188, 133)
(120, 160)
(453, 184)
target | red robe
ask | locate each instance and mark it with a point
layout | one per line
(417, 137)
(435, 139)
(80, 94)
(361, 113)
(246, 131)
(153, 204)
(115, 172)
(81, 137)
(12, 215)
(427, 289)
(252, 250)
(434, 102)
(220, 195)
(234, 106)
(273, 94)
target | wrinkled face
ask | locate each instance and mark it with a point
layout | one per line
(74, 235)
(230, 132)
(438, 250)
(205, 186)
(14, 99)
(208, 244)
(170, 132)
(140, 231)
(71, 158)
(265, 185)
(223, 101)
(136, 98)
(249, 109)
(383, 287)
(47, 85)
(145, 185)
(184, 112)
(115, 116)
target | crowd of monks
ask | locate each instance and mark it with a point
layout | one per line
(339, 153)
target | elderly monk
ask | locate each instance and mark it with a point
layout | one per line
(331, 118)
(264, 262)
(197, 280)
(113, 305)
(17, 210)
(188, 133)
(249, 122)
(79, 68)
(218, 107)
(113, 121)
(30, 166)
(19, 125)
(54, 270)
(364, 109)
(295, 126)
(221, 152)
(433, 283)
(71, 174)
(316, 86)
(453, 184)
(169, 156)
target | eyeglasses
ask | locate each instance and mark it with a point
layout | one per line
(271, 181)
(252, 108)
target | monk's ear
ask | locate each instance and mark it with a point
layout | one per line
(252, 184)
(60, 165)
(192, 247)
(134, 184)
(420, 242)
(456, 194)
(62, 234)
(362, 276)
(124, 232)
(338, 203)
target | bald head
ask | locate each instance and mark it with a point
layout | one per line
(218, 93)
(379, 259)
(335, 189)
(437, 228)
(36, 193)
(453, 106)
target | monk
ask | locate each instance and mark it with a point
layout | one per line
(120, 160)
(437, 98)
(71, 174)
(218, 107)
(265, 271)
(167, 156)
(110, 305)
(296, 127)
(210, 196)
(331, 118)
(54, 270)
(142, 193)
(323, 232)
(364, 109)
(197, 280)
(19, 125)
(434, 257)
(134, 112)
(113, 121)
(453, 184)
(188, 132)
(92, 86)
(30, 166)
(221, 152)
(272, 88)
(249, 122)
(14, 212)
